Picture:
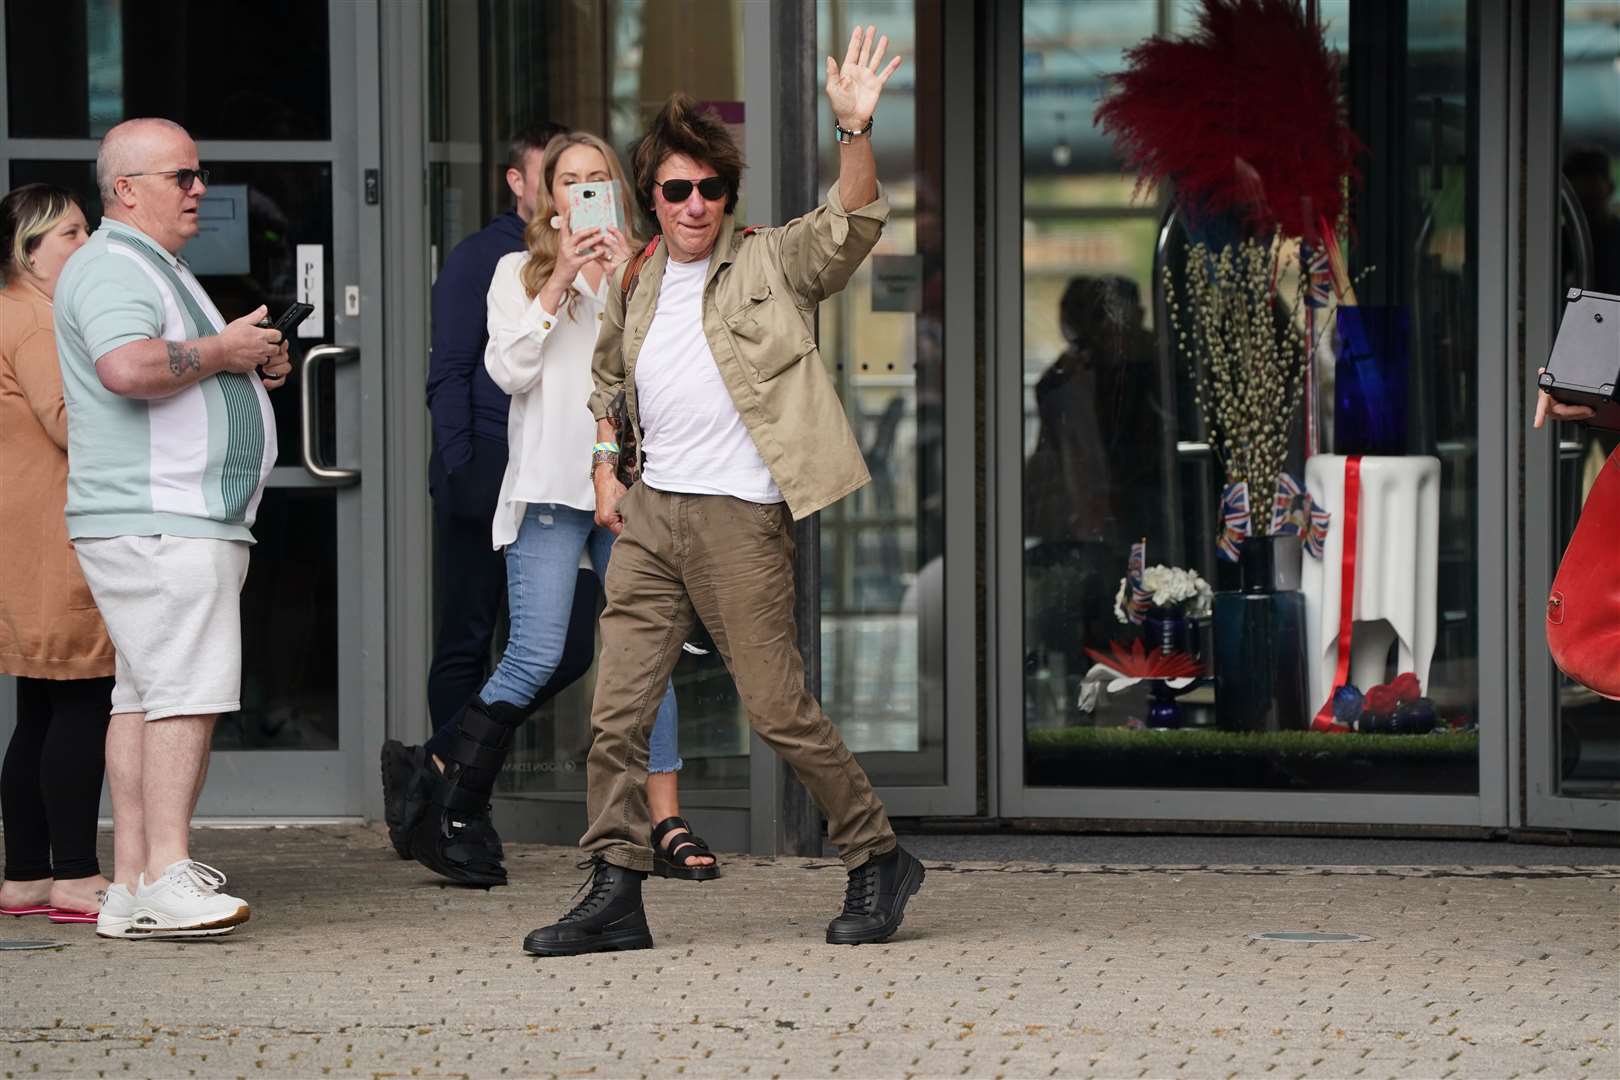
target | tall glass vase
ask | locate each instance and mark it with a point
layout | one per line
(1260, 678)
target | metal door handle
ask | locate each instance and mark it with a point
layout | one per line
(306, 401)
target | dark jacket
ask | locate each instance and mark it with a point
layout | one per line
(465, 403)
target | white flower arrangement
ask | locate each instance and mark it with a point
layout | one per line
(1168, 586)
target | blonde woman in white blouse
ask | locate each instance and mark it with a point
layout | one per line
(545, 304)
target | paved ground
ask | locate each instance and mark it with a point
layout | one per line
(356, 964)
(1253, 850)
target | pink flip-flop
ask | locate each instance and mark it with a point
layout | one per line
(29, 909)
(62, 915)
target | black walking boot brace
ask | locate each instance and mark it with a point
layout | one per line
(454, 837)
(609, 917)
(875, 899)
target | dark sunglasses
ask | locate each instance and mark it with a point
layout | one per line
(186, 179)
(678, 191)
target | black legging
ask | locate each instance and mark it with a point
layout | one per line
(50, 786)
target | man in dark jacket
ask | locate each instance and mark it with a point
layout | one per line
(464, 476)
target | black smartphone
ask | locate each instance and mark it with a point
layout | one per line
(286, 322)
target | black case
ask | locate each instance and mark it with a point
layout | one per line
(1585, 362)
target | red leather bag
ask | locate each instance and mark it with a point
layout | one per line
(1583, 610)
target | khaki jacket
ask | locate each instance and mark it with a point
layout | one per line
(759, 316)
(49, 625)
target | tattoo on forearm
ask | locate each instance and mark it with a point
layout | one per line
(183, 361)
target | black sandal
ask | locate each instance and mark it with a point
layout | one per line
(671, 862)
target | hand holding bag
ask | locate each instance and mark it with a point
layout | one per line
(1583, 610)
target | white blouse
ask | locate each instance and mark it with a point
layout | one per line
(542, 359)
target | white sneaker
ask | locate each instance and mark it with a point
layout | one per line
(185, 902)
(117, 904)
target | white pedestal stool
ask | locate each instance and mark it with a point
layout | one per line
(1397, 570)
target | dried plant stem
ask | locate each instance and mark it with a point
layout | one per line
(1247, 358)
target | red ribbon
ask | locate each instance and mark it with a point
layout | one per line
(1323, 721)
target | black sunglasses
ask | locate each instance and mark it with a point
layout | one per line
(678, 191)
(185, 178)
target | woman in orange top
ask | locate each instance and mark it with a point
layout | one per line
(51, 636)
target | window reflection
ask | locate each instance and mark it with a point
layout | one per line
(227, 69)
(1114, 447)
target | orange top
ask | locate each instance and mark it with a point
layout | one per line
(49, 626)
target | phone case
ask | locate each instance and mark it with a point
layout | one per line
(593, 205)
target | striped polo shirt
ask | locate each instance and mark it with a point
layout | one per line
(190, 464)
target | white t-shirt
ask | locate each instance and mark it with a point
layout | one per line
(694, 440)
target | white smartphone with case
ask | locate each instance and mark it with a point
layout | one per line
(594, 205)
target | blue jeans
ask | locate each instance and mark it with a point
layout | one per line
(541, 567)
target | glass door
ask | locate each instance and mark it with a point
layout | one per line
(277, 126)
(885, 579)
(898, 629)
(603, 67)
(1572, 734)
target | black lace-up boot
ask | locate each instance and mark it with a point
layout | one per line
(875, 899)
(454, 836)
(609, 917)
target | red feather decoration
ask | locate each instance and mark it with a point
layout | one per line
(1245, 115)
(1137, 663)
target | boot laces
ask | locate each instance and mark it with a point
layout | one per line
(600, 885)
(860, 896)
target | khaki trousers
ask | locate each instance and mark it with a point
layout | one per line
(731, 562)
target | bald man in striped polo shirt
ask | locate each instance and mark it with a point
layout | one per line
(170, 440)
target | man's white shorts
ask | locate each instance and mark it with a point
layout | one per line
(172, 608)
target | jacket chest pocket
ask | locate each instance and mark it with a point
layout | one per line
(768, 340)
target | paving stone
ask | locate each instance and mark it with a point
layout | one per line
(358, 964)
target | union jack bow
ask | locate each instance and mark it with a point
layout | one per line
(1293, 513)
(1318, 276)
(1316, 534)
(1235, 524)
(1286, 511)
(1136, 606)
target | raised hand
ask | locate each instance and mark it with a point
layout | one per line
(853, 90)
